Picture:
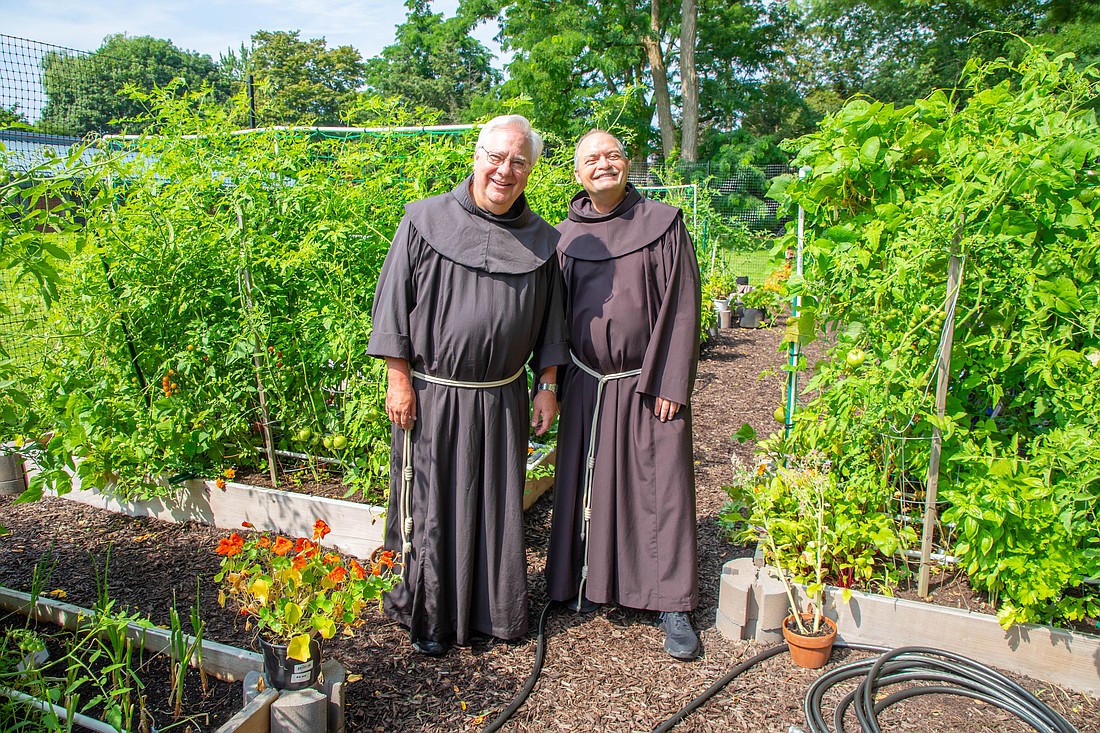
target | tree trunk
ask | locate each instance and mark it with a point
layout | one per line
(689, 82)
(657, 68)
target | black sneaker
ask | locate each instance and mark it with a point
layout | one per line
(681, 641)
(429, 647)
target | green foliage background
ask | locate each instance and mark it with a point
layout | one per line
(1008, 181)
(156, 340)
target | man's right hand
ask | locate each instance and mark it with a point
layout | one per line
(400, 397)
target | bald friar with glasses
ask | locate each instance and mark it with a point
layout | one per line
(469, 295)
(623, 528)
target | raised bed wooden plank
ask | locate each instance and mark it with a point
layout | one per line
(220, 660)
(255, 717)
(357, 529)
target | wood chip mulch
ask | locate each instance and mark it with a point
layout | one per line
(603, 672)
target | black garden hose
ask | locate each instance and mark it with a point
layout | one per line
(540, 656)
(952, 674)
(702, 698)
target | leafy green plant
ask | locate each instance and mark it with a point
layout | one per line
(206, 272)
(1006, 183)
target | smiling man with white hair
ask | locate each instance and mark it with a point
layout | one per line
(469, 295)
(623, 529)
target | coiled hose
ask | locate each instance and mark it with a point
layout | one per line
(951, 674)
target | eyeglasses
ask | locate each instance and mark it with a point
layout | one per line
(519, 165)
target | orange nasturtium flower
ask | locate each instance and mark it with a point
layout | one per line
(338, 574)
(247, 524)
(320, 529)
(230, 546)
(282, 546)
(331, 558)
(220, 482)
(298, 562)
(302, 545)
(358, 571)
(264, 542)
(387, 559)
(230, 473)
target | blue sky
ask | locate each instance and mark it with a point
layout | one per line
(214, 26)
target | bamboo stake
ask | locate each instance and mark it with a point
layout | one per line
(943, 369)
(257, 350)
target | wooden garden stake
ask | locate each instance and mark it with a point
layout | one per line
(943, 369)
(257, 350)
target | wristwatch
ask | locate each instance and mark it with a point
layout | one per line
(548, 387)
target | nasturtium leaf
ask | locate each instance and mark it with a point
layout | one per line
(298, 648)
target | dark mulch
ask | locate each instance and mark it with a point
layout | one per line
(605, 672)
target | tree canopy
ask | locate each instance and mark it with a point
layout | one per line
(683, 78)
(86, 93)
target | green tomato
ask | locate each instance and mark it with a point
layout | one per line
(304, 435)
(925, 309)
(780, 415)
(1086, 195)
(339, 442)
(327, 442)
(855, 358)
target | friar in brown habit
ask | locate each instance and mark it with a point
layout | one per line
(469, 294)
(623, 526)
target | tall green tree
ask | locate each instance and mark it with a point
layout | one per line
(303, 81)
(897, 51)
(434, 63)
(583, 62)
(84, 93)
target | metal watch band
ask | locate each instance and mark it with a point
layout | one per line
(549, 387)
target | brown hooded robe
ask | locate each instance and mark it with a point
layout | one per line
(471, 296)
(632, 302)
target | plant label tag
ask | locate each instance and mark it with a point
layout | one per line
(303, 668)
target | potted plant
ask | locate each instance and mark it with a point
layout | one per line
(755, 304)
(788, 516)
(296, 593)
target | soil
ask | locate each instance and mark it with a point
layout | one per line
(605, 671)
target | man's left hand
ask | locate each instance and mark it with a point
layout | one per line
(664, 409)
(543, 411)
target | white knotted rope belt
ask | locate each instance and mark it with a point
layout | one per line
(405, 519)
(590, 460)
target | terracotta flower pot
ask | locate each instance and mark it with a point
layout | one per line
(284, 673)
(811, 652)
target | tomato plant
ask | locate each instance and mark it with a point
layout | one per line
(999, 177)
(189, 272)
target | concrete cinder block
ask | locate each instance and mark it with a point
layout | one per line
(772, 606)
(300, 711)
(734, 598)
(333, 677)
(330, 684)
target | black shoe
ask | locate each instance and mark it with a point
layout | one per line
(586, 606)
(681, 641)
(429, 647)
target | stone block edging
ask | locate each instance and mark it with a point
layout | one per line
(752, 606)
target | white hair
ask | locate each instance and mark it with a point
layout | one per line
(515, 122)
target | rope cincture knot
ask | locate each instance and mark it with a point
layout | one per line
(590, 461)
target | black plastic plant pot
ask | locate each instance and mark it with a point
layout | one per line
(284, 673)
